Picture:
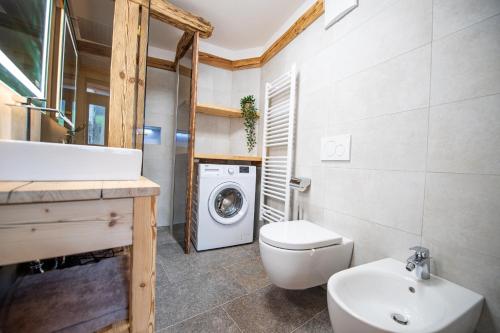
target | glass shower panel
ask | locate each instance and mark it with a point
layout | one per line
(181, 146)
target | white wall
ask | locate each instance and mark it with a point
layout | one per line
(161, 91)
(220, 135)
(417, 85)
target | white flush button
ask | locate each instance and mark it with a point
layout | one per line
(336, 148)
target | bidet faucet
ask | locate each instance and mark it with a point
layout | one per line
(420, 262)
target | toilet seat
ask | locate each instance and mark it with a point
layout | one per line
(298, 235)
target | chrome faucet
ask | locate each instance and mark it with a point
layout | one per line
(420, 261)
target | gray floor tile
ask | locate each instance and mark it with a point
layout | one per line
(250, 274)
(214, 321)
(253, 248)
(215, 259)
(319, 324)
(273, 309)
(181, 300)
(164, 237)
(161, 275)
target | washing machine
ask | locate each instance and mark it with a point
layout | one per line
(223, 203)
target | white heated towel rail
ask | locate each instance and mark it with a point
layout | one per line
(278, 145)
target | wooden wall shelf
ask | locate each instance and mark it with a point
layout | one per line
(202, 156)
(220, 111)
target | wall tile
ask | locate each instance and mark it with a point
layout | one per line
(405, 26)
(312, 109)
(315, 195)
(479, 273)
(366, 10)
(308, 147)
(390, 198)
(453, 15)
(463, 210)
(160, 110)
(465, 136)
(465, 64)
(372, 241)
(399, 84)
(396, 141)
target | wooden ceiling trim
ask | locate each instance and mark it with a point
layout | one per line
(247, 63)
(311, 15)
(300, 25)
(180, 18)
(213, 60)
(232, 65)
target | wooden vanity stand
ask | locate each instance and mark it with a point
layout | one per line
(41, 220)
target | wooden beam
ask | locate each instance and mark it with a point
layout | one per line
(161, 64)
(182, 46)
(105, 51)
(87, 46)
(141, 77)
(300, 25)
(123, 75)
(191, 143)
(179, 18)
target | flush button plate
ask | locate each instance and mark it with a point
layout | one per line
(336, 148)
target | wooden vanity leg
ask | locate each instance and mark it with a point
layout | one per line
(143, 275)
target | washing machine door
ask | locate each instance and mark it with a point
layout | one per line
(227, 203)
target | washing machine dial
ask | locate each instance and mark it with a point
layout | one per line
(230, 171)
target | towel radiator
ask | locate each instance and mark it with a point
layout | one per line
(278, 147)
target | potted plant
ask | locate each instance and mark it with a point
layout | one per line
(250, 116)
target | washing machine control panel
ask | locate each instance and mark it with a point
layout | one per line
(217, 170)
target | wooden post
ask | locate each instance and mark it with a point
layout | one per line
(143, 276)
(192, 125)
(141, 80)
(123, 75)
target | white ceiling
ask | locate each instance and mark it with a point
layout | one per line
(238, 24)
(242, 28)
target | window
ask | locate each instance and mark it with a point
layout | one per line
(24, 27)
(96, 124)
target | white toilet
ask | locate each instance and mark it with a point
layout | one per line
(301, 254)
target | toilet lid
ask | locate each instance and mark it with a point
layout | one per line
(298, 235)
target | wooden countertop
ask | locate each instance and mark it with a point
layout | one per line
(26, 192)
(203, 156)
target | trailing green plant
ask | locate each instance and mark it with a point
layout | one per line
(250, 116)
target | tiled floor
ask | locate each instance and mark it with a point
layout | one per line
(227, 290)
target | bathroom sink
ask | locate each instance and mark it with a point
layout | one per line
(383, 297)
(40, 161)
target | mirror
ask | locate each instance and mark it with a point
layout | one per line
(69, 73)
(59, 52)
(25, 28)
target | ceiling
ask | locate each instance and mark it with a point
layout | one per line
(237, 24)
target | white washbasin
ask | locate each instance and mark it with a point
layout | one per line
(364, 299)
(40, 161)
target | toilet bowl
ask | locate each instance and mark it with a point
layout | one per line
(301, 254)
